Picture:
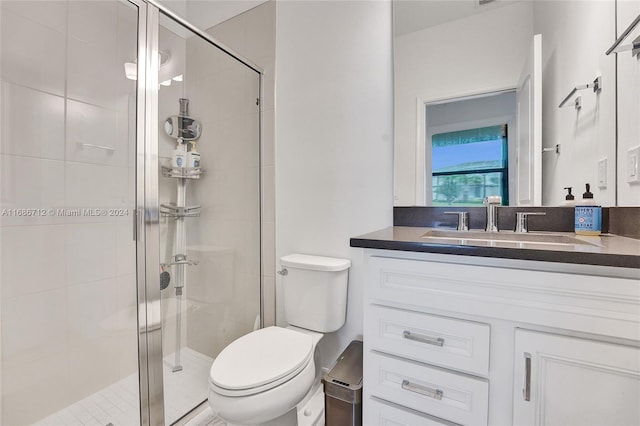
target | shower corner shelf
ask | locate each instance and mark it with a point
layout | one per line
(181, 259)
(171, 210)
(182, 172)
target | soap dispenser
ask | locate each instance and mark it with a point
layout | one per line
(588, 215)
(569, 199)
(178, 155)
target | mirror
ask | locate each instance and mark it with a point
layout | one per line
(182, 126)
(186, 128)
(453, 59)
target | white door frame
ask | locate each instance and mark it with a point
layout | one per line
(421, 131)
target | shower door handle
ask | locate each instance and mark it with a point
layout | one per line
(138, 217)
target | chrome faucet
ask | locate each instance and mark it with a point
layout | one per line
(463, 220)
(522, 220)
(492, 202)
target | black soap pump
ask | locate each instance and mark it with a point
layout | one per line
(569, 199)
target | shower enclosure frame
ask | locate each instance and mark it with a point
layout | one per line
(146, 226)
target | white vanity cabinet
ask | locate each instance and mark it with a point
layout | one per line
(569, 381)
(448, 340)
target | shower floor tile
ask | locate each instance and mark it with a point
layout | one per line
(118, 403)
(206, 418)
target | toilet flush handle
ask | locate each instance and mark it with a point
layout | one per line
(283, 272)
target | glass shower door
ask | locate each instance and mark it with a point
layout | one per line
(209, 190)
(102, 320)
(68, 295)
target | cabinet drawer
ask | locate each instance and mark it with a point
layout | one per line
(380, 413)
(455, 397)
(452, 343)
(551, 299)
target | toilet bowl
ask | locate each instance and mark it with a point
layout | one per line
(260, 378)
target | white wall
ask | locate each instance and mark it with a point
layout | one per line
(333, 136)
(575, 36)
(628, 104)
(481, 53)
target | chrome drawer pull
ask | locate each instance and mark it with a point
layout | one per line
(422, 390)
(423, 339)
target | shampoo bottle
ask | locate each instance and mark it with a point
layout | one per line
(193, 157)
(588, 219)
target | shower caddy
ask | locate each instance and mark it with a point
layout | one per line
(185, 129)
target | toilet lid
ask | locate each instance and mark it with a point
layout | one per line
(261, 357)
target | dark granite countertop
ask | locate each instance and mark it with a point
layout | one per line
(603, 250)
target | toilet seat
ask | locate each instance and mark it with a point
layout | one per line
(260, 361)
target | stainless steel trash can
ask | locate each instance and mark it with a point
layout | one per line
(343, 388)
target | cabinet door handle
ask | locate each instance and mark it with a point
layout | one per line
(439, 341)
(422, 390)
(526, 391)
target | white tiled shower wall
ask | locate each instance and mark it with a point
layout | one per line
(223, 94)
(67, 283)
(222, 293)
(251, 34)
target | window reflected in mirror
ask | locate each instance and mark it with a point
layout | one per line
(469, 165)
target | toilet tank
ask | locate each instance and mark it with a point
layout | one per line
(315, 291)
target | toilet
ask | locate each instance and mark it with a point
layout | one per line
(260, 378)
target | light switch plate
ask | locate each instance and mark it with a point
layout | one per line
(633, 165)
(602, 173)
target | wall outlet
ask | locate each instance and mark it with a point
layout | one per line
(633, 166)
(602, 173)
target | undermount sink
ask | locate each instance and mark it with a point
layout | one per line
(471, 237)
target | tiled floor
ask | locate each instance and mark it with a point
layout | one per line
(118, 404)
